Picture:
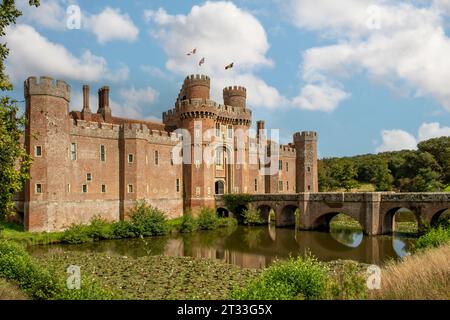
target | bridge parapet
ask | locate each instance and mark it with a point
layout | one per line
(416, 197)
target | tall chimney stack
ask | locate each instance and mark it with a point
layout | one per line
(86, 98)
(103, 103)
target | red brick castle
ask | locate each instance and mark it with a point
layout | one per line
(90, 164)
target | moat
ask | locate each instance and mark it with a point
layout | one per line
(255, 247)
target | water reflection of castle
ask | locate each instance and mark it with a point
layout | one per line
(263, 246)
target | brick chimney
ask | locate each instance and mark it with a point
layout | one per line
(259, 129)
(103, 103)
(86, 112)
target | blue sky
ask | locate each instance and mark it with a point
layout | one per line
(367, 75)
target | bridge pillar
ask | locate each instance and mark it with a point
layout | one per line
(305, 222)
(372, 224)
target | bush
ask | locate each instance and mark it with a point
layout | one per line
(99, 229)
(226, 222)
(300, 278)
(148, 220)
(188, 223)
(434, 237)
(252, 217)
(348, 282)
(76, 234)
(207, 219)
(123, 230)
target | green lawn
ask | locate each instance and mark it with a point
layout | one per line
(15, 232)
(447, 189)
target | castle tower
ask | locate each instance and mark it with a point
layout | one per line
(47, 140)
(235, 96)
(306, 161)
(198, 177)
(195, 87)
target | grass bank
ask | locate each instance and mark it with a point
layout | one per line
(422, 276)
(10, 291)
(145, 221)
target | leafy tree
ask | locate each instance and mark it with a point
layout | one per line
(440, 149)
(14, 160)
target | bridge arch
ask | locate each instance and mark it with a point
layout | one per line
(436, 216)
(286, 216)
(264, 211)
(222, 212)
(323, 221)
(389, 221)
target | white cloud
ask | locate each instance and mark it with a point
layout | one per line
(433, 130)
(322, 97)
(33, 54)
(394, 140)
(156, 72)
(405, 46)
(212, 28)
(50, 14)
(111, 24)
(134, 101)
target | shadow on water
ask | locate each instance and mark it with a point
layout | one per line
(255, 247)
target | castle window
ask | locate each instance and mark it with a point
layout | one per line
(287, 166)
(171, 158)
(130, 188)
(280, 185)
(309, 188)
(309, 169)
(287, 185)
(156, 157)
(103, 188)
(68, 188)
(102, 153)
(280, 165)
(197, 191)
(178, 185)
(73, 151)
(88, 177)
(217, 129)
(38, 188)
(219, 157)
(230, 132)
(38, 151)
(84, 188)
(130, 158)
(256, 185)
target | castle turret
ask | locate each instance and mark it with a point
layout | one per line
(195, 87)
(235, 96)
(47, 140)
(306, 161)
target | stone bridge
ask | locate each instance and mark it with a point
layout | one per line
(373, 210)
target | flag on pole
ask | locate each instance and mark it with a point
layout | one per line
(194, 51)
(229, 66)
(202, 61)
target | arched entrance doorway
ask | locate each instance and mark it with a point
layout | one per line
(220, 187)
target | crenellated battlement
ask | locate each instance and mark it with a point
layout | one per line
(195, 87)
(305, 135)
(47, 86)
(141, 131)
(287, 151)
(205, 108)
(235, 96)
(235, 90)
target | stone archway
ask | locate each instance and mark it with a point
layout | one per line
(322, 223)
(264, 211)
(435, 218)
(286, 217)
(389, 221)
(222, 213)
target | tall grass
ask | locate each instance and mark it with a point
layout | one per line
(422, 276)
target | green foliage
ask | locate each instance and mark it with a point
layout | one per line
(226, 222)
(300, 278)
(252, 217)
(147, 220)
(40, 283)
(15, 162)
(424, 170)
(447, 189)
(434, 237)
(188, 223)
(76, 234)
(234, 201)
(347, 282)
(123, 230)
(207, 219)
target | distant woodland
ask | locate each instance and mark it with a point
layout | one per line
(426, 169)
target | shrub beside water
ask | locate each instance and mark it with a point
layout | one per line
(300, 278)
(252, 217)
(188, 223)
(148, 221)
(207, 219)
(434, 237)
